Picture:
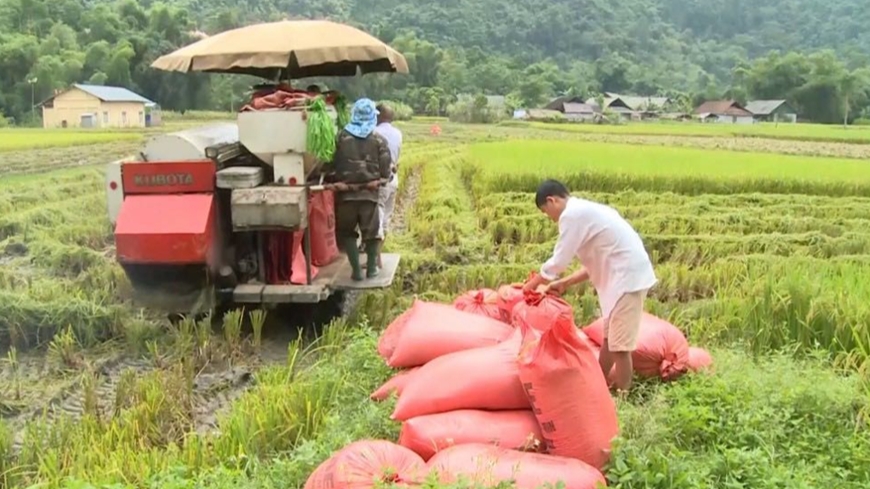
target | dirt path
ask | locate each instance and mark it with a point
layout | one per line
(405, 200)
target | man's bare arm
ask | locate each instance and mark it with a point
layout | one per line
(577, 277)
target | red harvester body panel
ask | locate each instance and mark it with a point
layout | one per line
(166, 229)
(169, 177)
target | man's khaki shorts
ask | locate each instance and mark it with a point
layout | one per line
(622, 327)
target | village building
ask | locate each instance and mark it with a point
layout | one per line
(99, 106)
(575, 112)
(772, 111)
(640, 103)
(615, 105)
(724, 111)
(574, 109)
(631, 107)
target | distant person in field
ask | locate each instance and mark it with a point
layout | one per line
(361, 166)
(387, 197)
(613, 259)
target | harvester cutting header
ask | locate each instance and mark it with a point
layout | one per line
(237, 212)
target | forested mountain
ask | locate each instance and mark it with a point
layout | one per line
(530, 50)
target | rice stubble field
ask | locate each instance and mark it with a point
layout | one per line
(762, 259)
(765, 130)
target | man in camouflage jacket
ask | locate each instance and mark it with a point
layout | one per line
(361, 165)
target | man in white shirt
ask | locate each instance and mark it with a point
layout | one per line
(387, 197)
(613, 259)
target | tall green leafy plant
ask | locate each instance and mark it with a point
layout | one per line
(321, 131)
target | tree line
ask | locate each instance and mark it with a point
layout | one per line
(529, 52)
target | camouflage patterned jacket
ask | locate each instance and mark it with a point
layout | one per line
(360, 161)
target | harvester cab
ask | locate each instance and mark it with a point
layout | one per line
(230, 213)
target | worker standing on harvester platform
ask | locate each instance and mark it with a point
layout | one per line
(615, 262)
(361, 166)
(387, 199)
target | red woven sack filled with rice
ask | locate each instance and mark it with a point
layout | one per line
(367, 464)
(699, 359)
(508, 297)
(480, 378)
(483, 302)
(540, 311)
(568, 393)
(395, 384)
(390, 336)
(431, 330)
(662, 350)
(488, 466)
(431, 433)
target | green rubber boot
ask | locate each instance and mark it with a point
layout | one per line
(372, 248)
(353, 258)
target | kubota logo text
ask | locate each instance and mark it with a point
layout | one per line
(163, 179)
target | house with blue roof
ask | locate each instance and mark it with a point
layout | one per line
(100, 107)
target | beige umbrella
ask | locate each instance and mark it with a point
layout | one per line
(287, 49)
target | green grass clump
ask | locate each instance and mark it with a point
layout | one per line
(766, 423)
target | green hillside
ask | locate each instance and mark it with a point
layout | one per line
(533, 49)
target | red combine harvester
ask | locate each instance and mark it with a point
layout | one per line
(229, 213)
(236, 213)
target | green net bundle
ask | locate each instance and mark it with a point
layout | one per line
(321, 131)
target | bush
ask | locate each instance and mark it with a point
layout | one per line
(401, 111)
(611, 118)
(475, 111)
(4, 122)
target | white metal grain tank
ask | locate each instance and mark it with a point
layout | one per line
(279, 138)
(190, 144)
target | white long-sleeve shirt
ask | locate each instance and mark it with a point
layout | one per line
(394, 142)
(609, 248)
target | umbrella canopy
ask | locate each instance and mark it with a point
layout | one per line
(287, 49)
